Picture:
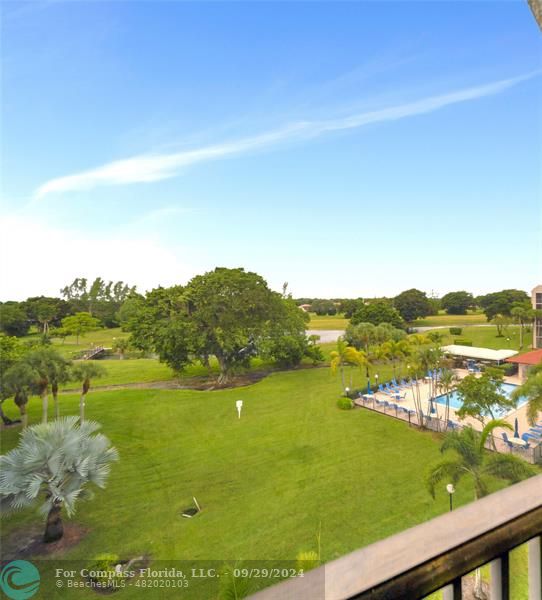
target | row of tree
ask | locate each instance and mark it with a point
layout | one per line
(39, 370)
(414, 304)
(100, 299)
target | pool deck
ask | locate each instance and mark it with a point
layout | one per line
(424, 388)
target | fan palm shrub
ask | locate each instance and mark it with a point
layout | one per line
(52, 465)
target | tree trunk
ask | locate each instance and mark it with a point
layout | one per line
(54, 529)
(44, 407)
(54, 390)
(82, 408)
(223, 377)
(24, 418)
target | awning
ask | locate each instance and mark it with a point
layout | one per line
(527, 358)
(478, 353)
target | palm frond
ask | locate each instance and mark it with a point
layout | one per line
(509, 467)
(488, 429)
(449, 470)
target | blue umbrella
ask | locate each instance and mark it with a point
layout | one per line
(516, 428)
(369, 386)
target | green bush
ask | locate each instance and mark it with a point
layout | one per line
(509, 369)
(456, 330)
(102, 572)
(462, 342)
(345, 403)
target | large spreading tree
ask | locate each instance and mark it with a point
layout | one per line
(230, 314)
(501, 303)
(412, 304)
(377, 312)
(457, 303)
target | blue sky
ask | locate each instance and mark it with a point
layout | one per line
(351, 149)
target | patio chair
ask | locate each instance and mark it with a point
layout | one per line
(508, 442)
(527, 436)
(406, 384)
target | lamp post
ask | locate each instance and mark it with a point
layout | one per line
(450, 489)
(346, 391)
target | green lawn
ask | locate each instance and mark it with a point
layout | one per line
(486, 337)
(443, 319)
(267, 483)
(101, 337)
(327, 322)
(137, 370)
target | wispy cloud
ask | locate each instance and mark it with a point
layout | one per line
(148, 168)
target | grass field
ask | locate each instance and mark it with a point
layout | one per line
(443, 319)
(327, 322)
(101, 337)
(292, 465)
(486, 337)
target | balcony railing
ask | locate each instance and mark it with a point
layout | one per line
(435, 555)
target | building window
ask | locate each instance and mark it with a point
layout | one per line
(538, 301)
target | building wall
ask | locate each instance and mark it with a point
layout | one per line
(536, 299)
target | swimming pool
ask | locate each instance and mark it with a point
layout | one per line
(507, 389)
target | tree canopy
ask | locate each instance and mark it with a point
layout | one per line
(412, 304)
(230, 314)
(501, 303)
(457, 303)
(13, 319)
(377, 312)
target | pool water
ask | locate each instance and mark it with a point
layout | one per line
(507, 389)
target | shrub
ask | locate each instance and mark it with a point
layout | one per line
(345, 403)
(103, 573)
(462, 342)
(510, 369)
(456, 330)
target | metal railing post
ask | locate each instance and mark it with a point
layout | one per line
(499, 585)
(535, 568)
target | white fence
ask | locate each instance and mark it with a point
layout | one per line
(530, 453)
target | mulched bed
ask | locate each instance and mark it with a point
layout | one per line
(27, 542)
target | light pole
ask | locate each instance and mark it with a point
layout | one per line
(450, 489)
(346, 391)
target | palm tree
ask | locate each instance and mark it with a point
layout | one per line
(467, 457)
(346, 356)
(59, 374)
(55, 460)
(532, 390)
(445, 384)
(395, 351)
(84, 372)
(51, 368)
(20, 380)
(120, 346)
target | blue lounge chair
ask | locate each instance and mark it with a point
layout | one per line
(527, 436)
(508, 442)
(452, 425)
(406, 384)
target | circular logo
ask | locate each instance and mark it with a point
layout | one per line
(19, 580)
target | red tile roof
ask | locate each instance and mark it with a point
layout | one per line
(528, 358)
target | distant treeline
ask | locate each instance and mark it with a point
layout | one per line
(414, 304)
